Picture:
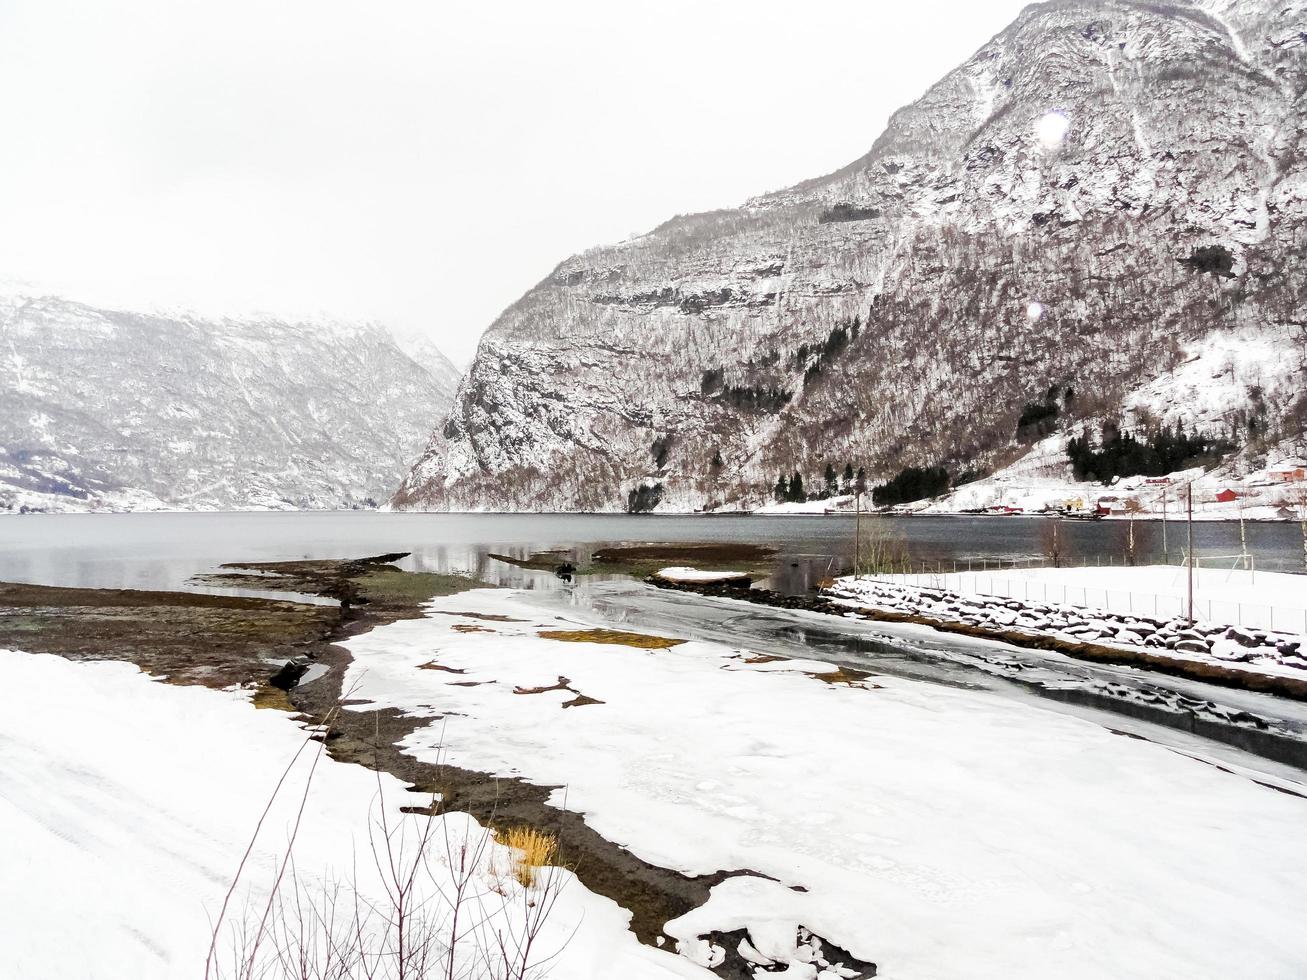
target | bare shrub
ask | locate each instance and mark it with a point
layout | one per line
(426, 901)
(881, 550)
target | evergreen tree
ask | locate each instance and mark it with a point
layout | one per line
(912, 483)
(831, 483)
(861, 484)
(782, 490)
(848, 475)
(797, 494)
(1121, 453)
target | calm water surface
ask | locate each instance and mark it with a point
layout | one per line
(161, 551)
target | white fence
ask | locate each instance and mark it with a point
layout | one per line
(1268, 616)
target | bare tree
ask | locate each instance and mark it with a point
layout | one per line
(882, 551)
(1054, 543)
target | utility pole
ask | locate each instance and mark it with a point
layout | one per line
(1243, 534)
(1191, 553)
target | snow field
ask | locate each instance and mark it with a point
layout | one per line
(938, 832)
(126, 804)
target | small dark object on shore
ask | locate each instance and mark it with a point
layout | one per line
(289, 675)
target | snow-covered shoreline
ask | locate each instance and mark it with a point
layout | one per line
(946, 599)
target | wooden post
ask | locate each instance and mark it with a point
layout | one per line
(857, 532)
(1190, 509)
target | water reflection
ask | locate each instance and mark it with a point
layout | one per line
(162, 551)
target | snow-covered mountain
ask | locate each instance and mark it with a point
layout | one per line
(1104, 192)
(102, 408)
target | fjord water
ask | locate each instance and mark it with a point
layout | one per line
(163, 550)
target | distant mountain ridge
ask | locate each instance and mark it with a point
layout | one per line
(1108, 196)
(112, 409)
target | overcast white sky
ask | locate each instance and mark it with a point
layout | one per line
(420, 163)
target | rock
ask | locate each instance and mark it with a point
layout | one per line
(289, 674)
(1231, 649)
(1242, 637)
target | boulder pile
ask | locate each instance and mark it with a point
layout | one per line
(1201, 640)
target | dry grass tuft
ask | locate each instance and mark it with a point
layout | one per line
(267, 696)
(843, 675)
(535, 850)
(613, 637)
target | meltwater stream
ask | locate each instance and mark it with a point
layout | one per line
(1246, 729)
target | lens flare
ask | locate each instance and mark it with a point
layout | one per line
(1052, 129)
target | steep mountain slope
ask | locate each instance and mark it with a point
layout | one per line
(104, 408)
(1094, 193)
(424, 352)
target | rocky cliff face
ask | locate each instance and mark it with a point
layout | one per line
(111, 409)
(1088, 200)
